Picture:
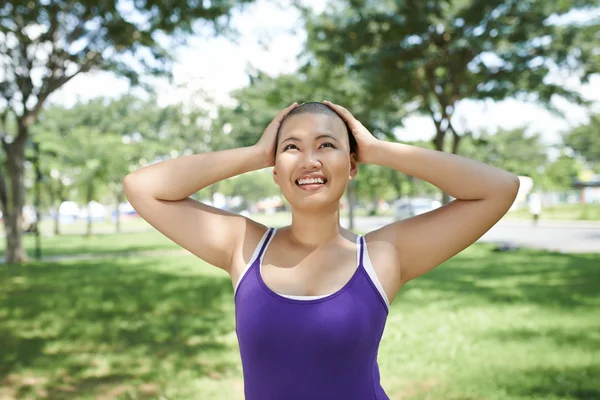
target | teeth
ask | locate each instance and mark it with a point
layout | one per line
(308, 181)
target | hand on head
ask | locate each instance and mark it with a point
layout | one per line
(363, 137)
(268, 139)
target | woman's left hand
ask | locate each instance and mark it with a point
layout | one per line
(364, 138)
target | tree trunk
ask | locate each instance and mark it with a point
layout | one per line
(89, 197)
(15, 198)
(396, 180)
(438, 142)
(117, 212)
(374, 204)
(455, 142)
(56, 224)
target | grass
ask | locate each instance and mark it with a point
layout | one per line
(117, 244)
(485, 325)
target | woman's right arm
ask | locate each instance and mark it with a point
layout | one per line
(160, 194)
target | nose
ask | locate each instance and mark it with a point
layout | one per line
(310, 162)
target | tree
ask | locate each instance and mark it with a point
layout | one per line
(513, 150)
(435, 54)
(585, 141)
(43, 45)
(95, 144)
(252, 187)
(561, 173)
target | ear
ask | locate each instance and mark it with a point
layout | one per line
(353, 166)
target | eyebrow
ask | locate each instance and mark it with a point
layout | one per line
(295, 139)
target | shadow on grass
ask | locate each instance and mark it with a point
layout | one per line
(118, 244)
(554, 280)
(581, 383)
(587, 339)
(79, 326)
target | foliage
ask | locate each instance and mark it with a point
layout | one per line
(433, 54)
(561, 173)
(43, 45)
(512, 150)
(59, 39)
(252, 186)
(585, 141)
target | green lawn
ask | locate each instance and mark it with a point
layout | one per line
(98, 244)
(485, 325)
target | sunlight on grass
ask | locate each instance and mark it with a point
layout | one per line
(485, 325)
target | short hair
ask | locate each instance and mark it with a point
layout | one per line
(314, 107)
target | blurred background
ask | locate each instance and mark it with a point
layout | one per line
(96, 304)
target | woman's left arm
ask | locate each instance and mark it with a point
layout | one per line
(483, 195)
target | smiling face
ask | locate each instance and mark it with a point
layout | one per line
(313, 163)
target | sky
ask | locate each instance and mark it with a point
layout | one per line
(271, 38)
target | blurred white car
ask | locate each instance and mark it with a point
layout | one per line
(410, 207)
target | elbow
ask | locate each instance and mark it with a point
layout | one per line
(132, 186)
(515, 183)
(510, 188)
(127, 186)
(506, 186)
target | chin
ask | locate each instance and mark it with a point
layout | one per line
(318, 201)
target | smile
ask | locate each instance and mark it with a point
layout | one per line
(311, 184)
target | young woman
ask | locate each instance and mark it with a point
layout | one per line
(312, 298)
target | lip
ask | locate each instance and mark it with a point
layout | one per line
(312, 187)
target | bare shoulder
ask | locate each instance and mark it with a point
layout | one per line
(384, 259)
(253, 233)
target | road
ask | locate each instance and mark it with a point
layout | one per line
(564, 236)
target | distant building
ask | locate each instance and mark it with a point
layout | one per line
(589, 185)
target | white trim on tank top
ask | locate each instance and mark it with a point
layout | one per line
(366, 264)
(252, 259)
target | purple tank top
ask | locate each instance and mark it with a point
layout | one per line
(320, 349)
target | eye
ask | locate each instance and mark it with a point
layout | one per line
(327, 144)
(289, 146)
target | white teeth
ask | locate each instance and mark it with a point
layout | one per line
(308, 181)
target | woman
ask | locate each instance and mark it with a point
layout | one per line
(312, 298)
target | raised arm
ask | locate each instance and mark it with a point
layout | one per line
(160, 194)
(483, 195)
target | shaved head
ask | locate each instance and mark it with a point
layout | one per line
(322, 109)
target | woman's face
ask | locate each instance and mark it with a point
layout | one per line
(313, 162)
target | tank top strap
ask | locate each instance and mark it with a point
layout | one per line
(259, 251)
(365, 262)
(266, 239)
(360, 250)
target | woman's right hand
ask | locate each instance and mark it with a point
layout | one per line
(267, 141)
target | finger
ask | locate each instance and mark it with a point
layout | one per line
(347, 115)
(286, 111)
(282, 114)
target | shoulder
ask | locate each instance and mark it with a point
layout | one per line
(384, 259)
(250, 239)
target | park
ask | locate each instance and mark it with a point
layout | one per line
(97, 304)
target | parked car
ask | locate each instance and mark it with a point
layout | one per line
(410, 207)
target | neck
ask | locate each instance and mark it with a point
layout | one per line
(312, 229)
